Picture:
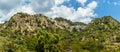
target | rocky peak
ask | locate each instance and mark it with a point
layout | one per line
(29, 23)
(104, 20)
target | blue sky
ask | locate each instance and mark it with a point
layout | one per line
(110, 8)
(104, 8)
(74, 10)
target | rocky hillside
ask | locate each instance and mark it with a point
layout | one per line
(23, 22)
(38, 33)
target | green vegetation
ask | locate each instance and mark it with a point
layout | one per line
(43, 35)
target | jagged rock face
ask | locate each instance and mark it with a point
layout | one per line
(22, 21)
(67, 24)
(29, 23)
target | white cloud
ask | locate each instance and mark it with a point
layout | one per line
(57, 2)
(27, 9)
(82, 1)
(10, 7)
(116, 3)
(72, 14)
(6, 7)
(51, 9)
(92, 5)
(61, 11)
(85, 13)
(41, 6)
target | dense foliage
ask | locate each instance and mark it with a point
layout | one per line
(101, 35)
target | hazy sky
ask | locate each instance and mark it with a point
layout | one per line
(74, 10)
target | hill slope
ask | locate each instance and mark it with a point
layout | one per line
(38, 33)
(23, 22)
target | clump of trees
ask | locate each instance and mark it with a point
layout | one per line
(41, 41)
(98, 36)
